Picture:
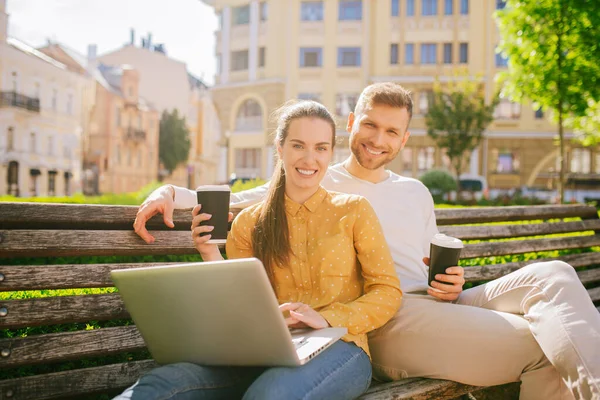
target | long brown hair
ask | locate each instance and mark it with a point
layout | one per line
(271, 236)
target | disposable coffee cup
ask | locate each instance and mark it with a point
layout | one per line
(215, 201)
(444, 252)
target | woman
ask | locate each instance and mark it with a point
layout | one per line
(329, 265)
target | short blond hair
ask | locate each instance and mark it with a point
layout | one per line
(386, 93)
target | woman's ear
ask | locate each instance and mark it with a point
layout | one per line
(279, 151)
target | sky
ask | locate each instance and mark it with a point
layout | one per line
(186, 27)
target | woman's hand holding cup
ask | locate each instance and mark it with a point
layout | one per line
(208, 251)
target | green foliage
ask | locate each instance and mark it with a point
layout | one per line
(457, 117)
(587, 127)
(174, 140)
(554, 59)
(240, 186)
(132, 199)
(439, 183)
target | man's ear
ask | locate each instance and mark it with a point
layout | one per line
(351, 118)
(405, 139)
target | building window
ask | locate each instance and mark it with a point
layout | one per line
(219, 64)
(425, 158)
(128, 157)
(597, 167)
(407, 161)
(15, 81)
(506, 109)
(32, 143)
(394, 54)
(500, 4)
(67, 152)
(10, 139)
(350, 10)
(261, 57)
(311, 11)
(54, 99)
(33, 180)
(239, 60)
(36, 90)
(139, 158)
(51, 183)
(410, 8)
(241, 15)
(539, 113)
(311, 57)
(507, 161)
(395, 8)
(447, 53)
(448, 7)
(50, 146)
(501, 60)
(348, 57)
(310, 96)
(464, 53)
(264, 11)
(464, 7)
(70, 104)
(429, 7)
(345, 103)
(424, 101)
(428, 53)
(117, 116)
(249, 116)
(247, 159)
(118, 154)
(581, 161)
(409, 53)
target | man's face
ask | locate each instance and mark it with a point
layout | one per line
(378, 134)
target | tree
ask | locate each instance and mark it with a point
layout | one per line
(174, 140)
(439, 183)
(457, 117)
(554, 58)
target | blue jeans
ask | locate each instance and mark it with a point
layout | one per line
(343, 371)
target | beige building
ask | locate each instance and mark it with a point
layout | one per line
(166, 84)
(270, 51)
(40, 120)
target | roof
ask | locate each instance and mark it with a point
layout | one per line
(196, 82)
(25, 48)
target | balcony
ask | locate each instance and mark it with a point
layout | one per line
(14, 99)
(136, 135)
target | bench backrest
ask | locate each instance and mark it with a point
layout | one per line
(54, 231)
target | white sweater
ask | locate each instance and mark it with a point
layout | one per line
(404, 207)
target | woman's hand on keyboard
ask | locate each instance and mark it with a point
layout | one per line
(303, 316)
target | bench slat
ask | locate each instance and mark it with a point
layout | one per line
(64, 276)
(595, 294)
(82, 216)
(107, 217)
(61, 310)
(482, 232)
(529, 246)
(53, 243)
(417, 389)
(73, 383)
(40, 349)
(471, 215)
(495, 271)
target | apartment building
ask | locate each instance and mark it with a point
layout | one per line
(40, 120)
(271, 51)
(167, 85)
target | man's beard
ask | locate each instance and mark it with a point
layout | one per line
(355, 147)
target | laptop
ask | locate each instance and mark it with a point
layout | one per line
(215, 313)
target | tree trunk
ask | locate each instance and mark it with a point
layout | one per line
(559, 87)
(458, 170)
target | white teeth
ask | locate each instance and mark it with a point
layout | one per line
(376, 153)
(306, 172)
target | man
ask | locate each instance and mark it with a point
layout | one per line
(536, 325)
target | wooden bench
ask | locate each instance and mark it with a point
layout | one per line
(56, 230)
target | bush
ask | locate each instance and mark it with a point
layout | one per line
(240, 185)
(439, 183)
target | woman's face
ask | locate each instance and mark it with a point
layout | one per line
(306, 153)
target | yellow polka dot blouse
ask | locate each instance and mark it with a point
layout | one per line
(341, 265)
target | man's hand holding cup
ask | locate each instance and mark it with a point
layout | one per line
(446, 278)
